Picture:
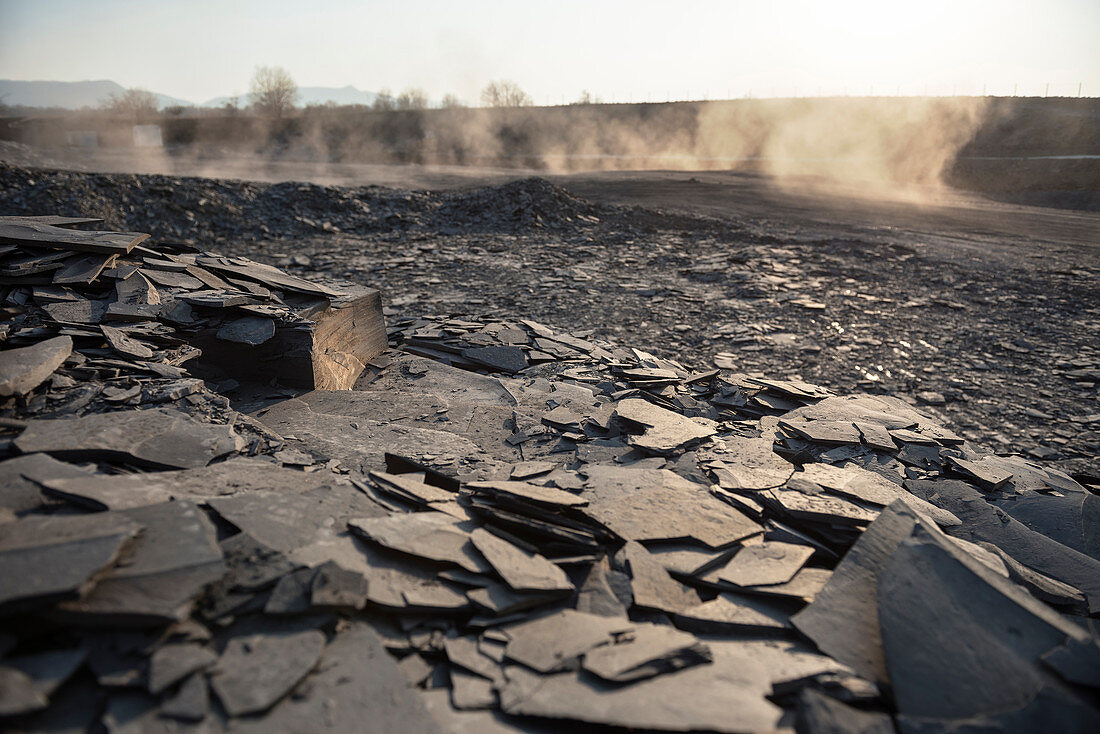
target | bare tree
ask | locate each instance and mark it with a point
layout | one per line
(412, 99)
(587, 98)
(504, 93)
(273, 91)
(383, 100)
(133, 102)
(451, 101)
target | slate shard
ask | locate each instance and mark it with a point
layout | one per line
(255, 672)
(47, 559)
(23, 369)
(167, 439)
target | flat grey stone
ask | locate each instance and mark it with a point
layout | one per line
(729, 695)
(124, 344)
(255, 672)
(655, 504)
(191, 702)
(20, 480)
(24, 368)
(173, 662)
(356, 686)
(160, 575)
(765, 564)
(750, 464)
(647, 651)
(856, 483)
(250, 330)
(46, 559)
(430, 535)
(471, 692)
(596, 595)
(285, 520)
(982, 521)
(732, 614)
(527, 492)
(159, 438)
(664, 430)
(651, 585)
(521, 570)
(556, 641)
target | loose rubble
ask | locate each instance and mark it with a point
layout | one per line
(498, 526)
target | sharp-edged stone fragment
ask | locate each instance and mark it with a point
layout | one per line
(647, 504)
(35, 234)
(733, 614)
(45, 559)
(651, 585)
(556, 642)
(522, 571)
(824, 431)
(255, 672)
(527, 492)
(172, 663)
(664, 431)
(28, 682)
(356, 686)
(287, 520)
(766, 564)
(21, 477)
(25, 368)
(191, 702)
(124, 345)
(857, 483)
(502, 359)
(429, 535)
(982, 521)
(750, 464)
(729, 695)
(160, 575)
(471, 692)
(820, 714)
(649, 650)
(159, 438)
(250, 330)
(596, 595)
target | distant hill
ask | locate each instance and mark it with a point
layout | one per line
(68, 95)
(312, 95)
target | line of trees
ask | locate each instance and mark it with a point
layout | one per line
(274, 93)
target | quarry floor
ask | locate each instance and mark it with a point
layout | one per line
(988, 313)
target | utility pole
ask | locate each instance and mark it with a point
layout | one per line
(1014, 85)
(1046, 92)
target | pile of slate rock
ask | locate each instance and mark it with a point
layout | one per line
(505, 527)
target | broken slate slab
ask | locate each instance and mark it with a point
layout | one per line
(656, 504)
(729, 695)
(555, 642)
(765, 564)
(45, 559)
(651, 585)
(733, 614)
(649, 650)
(25, 368)
(21, 477)
(521, 570)
(173, 662)
(250, 330)
(749, 464)
(664, 430)
(159, 438)
(159, 576)
(501, 359)
(255, 672)
(982, 521)
(355, 686)
(430, 535)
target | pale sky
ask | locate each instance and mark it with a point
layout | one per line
(629, 50)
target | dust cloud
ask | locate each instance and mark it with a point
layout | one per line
(885, 146)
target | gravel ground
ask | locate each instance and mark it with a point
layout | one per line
(1005, 348)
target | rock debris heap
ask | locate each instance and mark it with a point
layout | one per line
(500, 526)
